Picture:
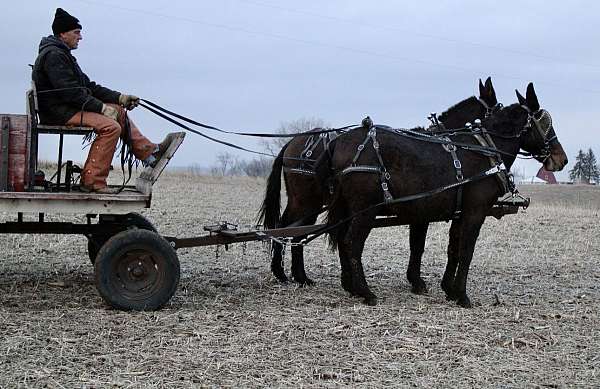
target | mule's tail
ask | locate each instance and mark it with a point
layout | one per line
(270, 211)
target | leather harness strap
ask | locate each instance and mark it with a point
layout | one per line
(310, 146)
(384, 176)
(450, 148)
(483, 138)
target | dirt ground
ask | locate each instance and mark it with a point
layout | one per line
(534, 282)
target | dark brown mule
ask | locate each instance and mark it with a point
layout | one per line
(305, 168)
(418, 166)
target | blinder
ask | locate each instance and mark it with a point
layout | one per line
(540, 122)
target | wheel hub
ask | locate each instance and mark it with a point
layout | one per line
(138, 274)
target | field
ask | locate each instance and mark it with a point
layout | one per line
(534, 283)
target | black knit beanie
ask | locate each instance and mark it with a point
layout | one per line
(64, 22)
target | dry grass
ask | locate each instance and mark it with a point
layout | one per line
(534, 282)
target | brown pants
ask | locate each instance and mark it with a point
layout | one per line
(102, 150)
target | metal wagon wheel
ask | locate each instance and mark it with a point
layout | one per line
(131, 220)
(137, 270)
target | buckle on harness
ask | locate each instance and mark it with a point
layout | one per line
(457, 164)
(309, 153)
(449, 147)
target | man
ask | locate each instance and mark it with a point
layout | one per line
(66, 96)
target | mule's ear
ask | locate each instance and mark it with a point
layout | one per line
(482, 90)
(493, 100)
(521, 99)
(532, 100)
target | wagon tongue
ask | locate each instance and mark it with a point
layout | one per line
(149, 175)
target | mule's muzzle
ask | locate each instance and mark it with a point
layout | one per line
(557, 159)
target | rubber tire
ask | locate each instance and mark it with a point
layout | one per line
(132, 220)
(112, 258)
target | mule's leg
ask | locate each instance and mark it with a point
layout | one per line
(359, 230)
(470, 233)
(418, 234)
(298, 271)
(450, 272)
(344, 250)
(277, 253)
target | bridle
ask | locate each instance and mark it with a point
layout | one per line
(540, 122)
(489, 110)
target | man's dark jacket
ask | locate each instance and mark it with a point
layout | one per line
(56, 68)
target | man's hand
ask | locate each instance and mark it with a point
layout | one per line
(110, 112)
(129, 101)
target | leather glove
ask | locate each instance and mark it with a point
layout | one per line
(110, 112)
(129, 101)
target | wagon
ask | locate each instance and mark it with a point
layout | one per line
(135, 267)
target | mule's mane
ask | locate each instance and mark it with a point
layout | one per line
(458, 106)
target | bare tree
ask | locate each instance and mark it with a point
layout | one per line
(258, 167)
(224, 163)
(273, 145)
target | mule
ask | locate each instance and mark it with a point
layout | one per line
(417, 165)
(305, 165)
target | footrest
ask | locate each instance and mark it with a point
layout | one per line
(498, 211)
(149, 175)
(517, 202)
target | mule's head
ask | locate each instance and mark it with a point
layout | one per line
(539, 137)
(472, 108)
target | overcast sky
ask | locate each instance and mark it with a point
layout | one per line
(254, 64)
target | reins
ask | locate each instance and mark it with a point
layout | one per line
(163, 113)
(252, 134)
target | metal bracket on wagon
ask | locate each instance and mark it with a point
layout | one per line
(149, 175)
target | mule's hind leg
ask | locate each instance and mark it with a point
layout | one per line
(450, 272)
(277, 251)
(418, 234)
(470, 233)
(298, 271)
(357, 234)
(344, 251)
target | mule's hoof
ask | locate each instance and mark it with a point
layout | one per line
(419, 288)
(451, 294)
(281, 278)
(347, 285)
(370, 301)
(464, 302)
(306, 282)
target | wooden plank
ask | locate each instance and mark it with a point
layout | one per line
(63, 130)
(4, 139)
(149, 175)
(73, 202)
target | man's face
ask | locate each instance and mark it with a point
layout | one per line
(71, 38)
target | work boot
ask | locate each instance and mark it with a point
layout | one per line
(105, 190)
(162, 149)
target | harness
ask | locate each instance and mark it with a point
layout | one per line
(486, 143)
(306, 166)
(384, 175)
